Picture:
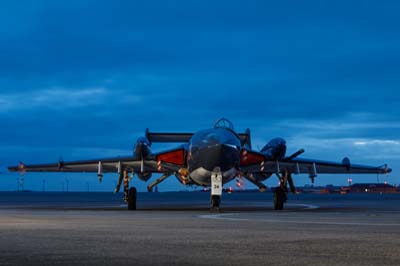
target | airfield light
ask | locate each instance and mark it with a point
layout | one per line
(349, 180)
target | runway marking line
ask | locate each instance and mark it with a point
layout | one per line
(228, 217)
(224, 217)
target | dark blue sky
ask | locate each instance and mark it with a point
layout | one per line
(83, 79)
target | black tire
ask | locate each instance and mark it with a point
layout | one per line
(132, 199)
(279, 199)
(215, 201)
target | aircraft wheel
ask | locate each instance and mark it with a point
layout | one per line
(279, 198)
(215, 202)
(132, 198)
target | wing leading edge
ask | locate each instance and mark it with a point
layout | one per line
(108, 165)
(169, 161)
(314, 167)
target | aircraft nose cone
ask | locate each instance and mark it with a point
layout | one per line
(224, 156)
(215, 148)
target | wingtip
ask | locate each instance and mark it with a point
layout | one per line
(386, 169)
(19, 168)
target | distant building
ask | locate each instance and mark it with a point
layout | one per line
(373, 188)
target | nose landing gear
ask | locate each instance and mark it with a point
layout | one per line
(216, 189)
(215, 202)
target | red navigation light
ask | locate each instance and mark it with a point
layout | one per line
(21, 167)
(174, 157)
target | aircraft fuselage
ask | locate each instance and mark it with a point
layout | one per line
(210, 150)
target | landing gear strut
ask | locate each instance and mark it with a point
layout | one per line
(132, 199)
(216, 189)
(158, 181)
(280, 193)
(129, 193)
(280, 197)
(215, 202)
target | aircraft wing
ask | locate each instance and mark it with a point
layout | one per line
(327, 167)
(311, 167)
(169, 161)
(107, 165)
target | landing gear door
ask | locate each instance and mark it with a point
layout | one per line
(216, 183)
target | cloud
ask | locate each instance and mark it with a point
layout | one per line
(348, 125)
(376, 142)
(365, 151)
(54, 153)
(58, 98)
(338, 125)
(323, 76)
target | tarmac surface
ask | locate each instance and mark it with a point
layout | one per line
(178, 229)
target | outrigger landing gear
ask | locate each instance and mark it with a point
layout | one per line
(132, 199)
(280, 197)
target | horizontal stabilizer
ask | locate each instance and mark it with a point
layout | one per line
(184, 137)
(168, 137)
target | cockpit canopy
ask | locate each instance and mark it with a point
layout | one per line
(224, 123)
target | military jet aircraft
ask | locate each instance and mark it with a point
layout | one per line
(210, 157)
